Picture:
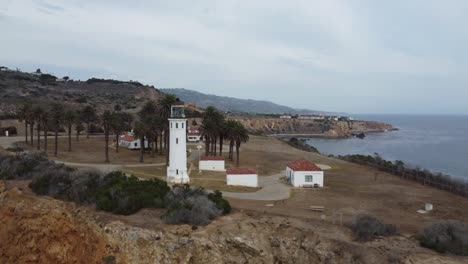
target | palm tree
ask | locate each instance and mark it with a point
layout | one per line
(240, 135)
(69, 119)
(141, 131)
(165, 103)
(107, 120)
(230, 127)
(57, 116)
(89, 116)
(38, 113)
(23, 113)
(78, 125)
(45, 124)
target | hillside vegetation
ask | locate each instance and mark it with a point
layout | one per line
(230, 104)
(17, 87)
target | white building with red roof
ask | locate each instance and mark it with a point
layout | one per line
(212, 163)
(303, 173)
(193, 134)
(242, 177)
(130, 142)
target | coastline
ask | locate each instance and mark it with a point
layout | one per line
(328, 136)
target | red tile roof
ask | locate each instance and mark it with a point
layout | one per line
(303, 165)
(240, 171)
(193, 133)
(127, 138)
(212, 158)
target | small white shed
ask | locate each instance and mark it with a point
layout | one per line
(303, 173)
(242, 177)
(212, 163)
(130, 142)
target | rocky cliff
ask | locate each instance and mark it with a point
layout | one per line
(312, 127)
(44, 230)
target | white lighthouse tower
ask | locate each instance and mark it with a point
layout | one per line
(177, 169)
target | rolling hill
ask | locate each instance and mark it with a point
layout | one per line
(230, 104)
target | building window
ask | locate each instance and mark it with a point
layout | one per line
(182, 125)
(135, 144)
(309, 178)
(176, 125)
(177, 172)
(177, 140)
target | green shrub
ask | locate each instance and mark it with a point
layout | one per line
(366, 227)
(446, 236)
(120, 194)
(189, 205)
(221, 203)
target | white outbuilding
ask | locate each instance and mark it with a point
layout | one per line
(303, 173)
(130, 142)
(242, 177)
(212, 163)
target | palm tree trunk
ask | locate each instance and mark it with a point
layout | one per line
(237, 154)
(77, 135)
(31, 130)
(69, 137)
(45, 139)
(106, 139)
(220, 145)
(215, 146)
(156, 143)
(38, 137)
(26, 132)
(207, 146)
(231, 150)
(56, 141)
(161, 143)
(88, 130)
(117, 136)
(152, 148)
(142, 148)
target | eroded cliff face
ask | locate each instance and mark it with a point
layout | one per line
(311, 127)
(44, 230)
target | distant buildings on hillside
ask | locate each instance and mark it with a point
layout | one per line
(317, 117)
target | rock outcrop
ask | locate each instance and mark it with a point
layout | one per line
(311, 127)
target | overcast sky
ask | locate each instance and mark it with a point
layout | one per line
(355, 56)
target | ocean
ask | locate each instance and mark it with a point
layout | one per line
(437, 143)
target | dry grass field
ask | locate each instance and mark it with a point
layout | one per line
(349, 189)
(92, 151)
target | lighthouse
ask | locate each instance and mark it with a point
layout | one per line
(177, 169)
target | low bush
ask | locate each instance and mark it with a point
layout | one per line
(120, 194)
(446, 237)
(366, 227)
(221, 203)
(114, 192)
(189, 205)
(25, 165)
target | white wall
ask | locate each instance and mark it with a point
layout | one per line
(298, 179)
(135, 144)
(215, 165)
(177, 169)
(250, 180)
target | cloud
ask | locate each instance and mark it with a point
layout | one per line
(241, 48)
